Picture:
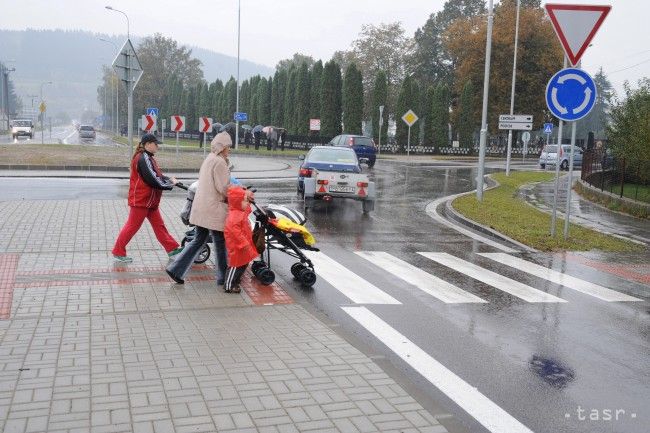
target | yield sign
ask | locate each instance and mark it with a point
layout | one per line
(148, 122)
(205, 124)
(576, 26)
(178, 123)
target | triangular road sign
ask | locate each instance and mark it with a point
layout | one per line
(576, 26)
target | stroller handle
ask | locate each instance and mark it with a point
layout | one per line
(182, 186)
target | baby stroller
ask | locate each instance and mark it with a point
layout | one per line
(204, 254)
(277, 227)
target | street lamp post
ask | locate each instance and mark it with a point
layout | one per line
(486, 87)
(43, 113)
(128, 34)
(512, 89)
(115, 90)
(129, 83)
(5, 90)
(237, 104)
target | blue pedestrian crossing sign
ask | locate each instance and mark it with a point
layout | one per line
(548, 128)
(240, 116)
(152, 111)
(570, 94)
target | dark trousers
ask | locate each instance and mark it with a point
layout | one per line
(183, 261)
(233, 277)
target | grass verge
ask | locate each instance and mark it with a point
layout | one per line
(504, 212)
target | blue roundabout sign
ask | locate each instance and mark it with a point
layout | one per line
(570, 94)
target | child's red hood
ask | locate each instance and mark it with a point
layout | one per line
(236, 195)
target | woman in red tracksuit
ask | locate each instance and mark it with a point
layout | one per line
(239, 238)
(145, 189)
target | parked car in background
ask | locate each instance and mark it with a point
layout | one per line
(549, 156)
(22, 127)
(87, 132)
(328, 173)
(363, 146)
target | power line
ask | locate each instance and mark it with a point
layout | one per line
(629, 67)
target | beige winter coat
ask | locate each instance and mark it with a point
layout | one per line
(210, 207)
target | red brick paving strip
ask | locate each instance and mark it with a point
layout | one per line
(8, 265)
(623, 271)
(264, 295)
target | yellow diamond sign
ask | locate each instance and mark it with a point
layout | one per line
(42, 107)
(410, 118)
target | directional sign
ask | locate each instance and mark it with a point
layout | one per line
(177, 123)
(126, 64)
(152, 111)
(42, 107)
(410, 118)
(240, 117)
(576, 26)
(516, 126)
(570, 94)
(205, 124)
(314, 124)
(516, 118)
(548, 128)
(148, 122)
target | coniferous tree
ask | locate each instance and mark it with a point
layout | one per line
(466, 123)
(316, 76)
(379, 98)
(331, 100)
(289, 100)
(269, 95)
(427, 116)
(440, 116)
(263, 103)
(352, 100)
(302, 98)
(404, 101)
(277, 97)
(205, 108)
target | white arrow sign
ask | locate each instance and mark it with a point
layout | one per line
(178, 123)
(205, 124)
(516, 126)
(516, 118)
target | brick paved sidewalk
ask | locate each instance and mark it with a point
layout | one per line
(89, 346)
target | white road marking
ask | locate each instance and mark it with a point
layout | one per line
(357, 289)
(508, 285)
(574, 283)
(485, 411)
(433, 213)
(424, 281)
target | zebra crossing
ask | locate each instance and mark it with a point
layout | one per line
(361, 291)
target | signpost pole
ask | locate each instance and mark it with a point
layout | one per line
(176, 143)
(512, 88)
(567, 209)
(129, 90)
(408, 143)
(381, 124)
(486, 87)
(557, 169)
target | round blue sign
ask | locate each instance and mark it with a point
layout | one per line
(570, 94)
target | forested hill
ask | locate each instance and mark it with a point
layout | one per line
(73, 60)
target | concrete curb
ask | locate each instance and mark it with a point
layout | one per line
(452, 214)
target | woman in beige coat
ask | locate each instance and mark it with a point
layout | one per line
(209, 211)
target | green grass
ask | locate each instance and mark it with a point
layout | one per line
(504, 212)
(643, 193)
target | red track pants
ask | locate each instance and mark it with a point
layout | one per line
(132, 225)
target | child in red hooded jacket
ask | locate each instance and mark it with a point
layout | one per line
(240, 247)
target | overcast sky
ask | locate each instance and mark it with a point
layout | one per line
(272, 30)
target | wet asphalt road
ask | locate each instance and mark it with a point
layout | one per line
(554, 367)
(60, 135)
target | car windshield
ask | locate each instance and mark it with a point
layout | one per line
(363, 141)
(338, 156)
(550, 148)
(22, 123)
(87, 128)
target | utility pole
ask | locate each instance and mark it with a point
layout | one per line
(512, 89)
(486, 87)
(238, 39)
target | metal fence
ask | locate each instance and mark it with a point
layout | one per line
(602, 170)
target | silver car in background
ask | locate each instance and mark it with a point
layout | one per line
(87, 132)
(549, 156)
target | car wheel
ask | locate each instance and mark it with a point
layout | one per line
(564, 165)
(368, 206)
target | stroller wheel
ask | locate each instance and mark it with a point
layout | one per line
(307, 277)
(256, 266)
(296, 268)
(266, 276)
(204, 255)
